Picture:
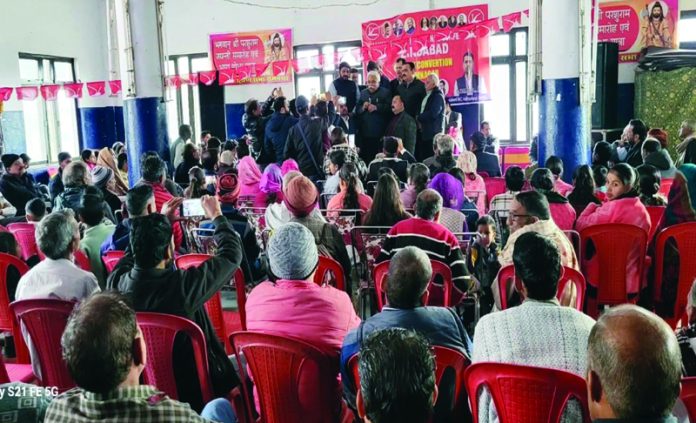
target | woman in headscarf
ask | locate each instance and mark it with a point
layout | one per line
(289, 165)
(452, 201)
(474, 182)
(106, 159)
(249, 177)
(681, 203)
(271, 187)
(192, 157)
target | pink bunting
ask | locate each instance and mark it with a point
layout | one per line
(488, 27)
(96, 88)
(5, 93)
(207, 77)
(192, 79)
(115, 87)
(49, 92)
(27, 93)
(280, 68)
(73, 90)
(526, 12)
(509, 21)
(173, 81)
(225, 77)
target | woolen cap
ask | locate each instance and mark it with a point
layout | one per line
(101, 175)
(292, 252)
(9, 159)
(300, 196)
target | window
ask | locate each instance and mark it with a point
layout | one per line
(507, 109)
(184, 107)
(320, 77)
(49, 126)
(687, 29)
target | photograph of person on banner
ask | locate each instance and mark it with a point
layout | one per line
(657, 28)
(276, 49)
(425, 24)
(470, 84)
(411, 26)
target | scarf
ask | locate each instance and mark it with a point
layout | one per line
(681, 198)
(450, 189)
(249, 176)
(271, 180)
(288, 166)
(106, 159)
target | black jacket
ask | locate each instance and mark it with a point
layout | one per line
(70, 199)
(488, 163)
(18, 191)
(295, 147)
(399, 166)
(412, 95)
(277, 130)
(432, 119)
(373, 124)
(404, 126)
(184, 293)
(55, 185)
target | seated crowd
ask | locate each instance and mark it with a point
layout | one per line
(273, 208)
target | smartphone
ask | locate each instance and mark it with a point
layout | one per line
(192, 208)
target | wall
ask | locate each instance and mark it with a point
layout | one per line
(68, 28)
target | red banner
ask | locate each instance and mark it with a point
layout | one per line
(49, 92)
(27, 93)
(5, 93)
(207, 77)
(73, 90)
(96, 88)
(452, 43)
(250, 55)
(173, 81)
(192, 79)
(511, 20)
(115, 87)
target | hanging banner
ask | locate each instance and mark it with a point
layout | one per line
(49, 92)
(207, 77)
(5, 93)
(115, 87)
(452, 43)
(637, 24)
(96, 88)
(27, 93)
(73, 90)
(250, 52)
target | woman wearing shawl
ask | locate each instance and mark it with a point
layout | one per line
(474, 182)
(271, 187)
(562, 213)
(452, 201)
(249, 177)
(106, 159)
(680, 209)
(289, 165)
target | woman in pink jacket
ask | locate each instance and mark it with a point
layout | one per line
(623, 206)
(249, 177)
(562, 213)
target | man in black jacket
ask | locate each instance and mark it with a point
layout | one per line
(345, 87)
(304, 142)
(411, 90)
(431, 117)
(486, 162)
(15, 185)
(402, 125)
(372, 112)
(146, 275)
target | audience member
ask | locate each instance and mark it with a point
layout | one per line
(89, 158)
(249, 177)
(103, 179)
(56, 276)
(350, 197)
(105, 352)
(482, 260)
(473, 183)
(390, 148)
(539, 332)
(177, 148)
(8, 212)
(655, 155)
(55, 185)
(468, 207)
(402, 125)
(96, 231)
(411, 89)
(660, 135)
(629, 148)
(625, 380)
(343, 119)
(599, 174)
(14, 185)
(256, 115)
(227, 163)
(418, 178)
(649, 186)
(690, 154)
(514, 181)
(584, 189)
(687, 133)
(431, 118)
(487, 162)
(147, 276)
(342, 86)
(443, 160)
(386, 209)
(279, 214)
(453, 124)
(623, 206)
(76, 179)
(270, 187)
(407, 396)
(337, 158)
(122, 163)
(140, 201)
(686, 335)
(106, 159)
(339, 141)
(278, 127)
(562, 213)
(196, 184)
(305, 140)
(372, 111)
(555, 165)
(533, 157)
(602, 155)
(452, 194)
(492, 144)
(9, 245)
(192, 157)
(35, 210)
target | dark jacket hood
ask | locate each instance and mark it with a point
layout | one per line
(660, 159)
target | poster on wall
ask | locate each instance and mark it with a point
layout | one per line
(447, 42)
(258, 57)
(636, 24)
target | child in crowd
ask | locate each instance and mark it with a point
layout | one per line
(336, 160)
(649, 181)
(35, 210)
(599, 174)
(482, 260)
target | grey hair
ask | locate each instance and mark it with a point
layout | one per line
(434, 78)
(76, 174)
(445, 144)
(428, 204)
(409, 274)
(56, 232)
(374, 74)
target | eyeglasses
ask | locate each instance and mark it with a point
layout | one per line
(513, 216)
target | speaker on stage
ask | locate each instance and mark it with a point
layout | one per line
(604, 108)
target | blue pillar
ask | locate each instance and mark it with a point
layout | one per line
(563, 123)
(144, 114)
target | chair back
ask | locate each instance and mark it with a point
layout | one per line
(245, 201)
(45, 321)
(279, 366)
(506, 275)
(574, 238)
(7, 321)
(523, 394)
(665, 186)
(328, 267)
(613, 243)
(655, 213)
(494, 186)
(367, 241)
(111, 259)
(159, 331)
(25, 234)
(683, 236)
(688, 396)
(82, 261)
(440, 271)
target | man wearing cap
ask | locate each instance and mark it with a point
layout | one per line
(16, 188)
(277, 214)
(103, 178)
(344, 86)
(486, 162)
(305, 142)
(294, 306)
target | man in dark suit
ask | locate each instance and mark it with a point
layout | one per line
(468, 83)
(390, 148)
(402, 125)
(487, 162)
(431, 117)
(343, 119)
(394, 83)
(411, 90)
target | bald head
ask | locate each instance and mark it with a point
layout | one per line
(428, 204)
(634, 365)
(409, 275)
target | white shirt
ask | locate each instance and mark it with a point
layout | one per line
(58, 279)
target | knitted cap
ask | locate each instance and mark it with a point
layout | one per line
(227, 158)
(301, 102)
(101, 175)
(292, 252)
(9, 159)
(300, 196)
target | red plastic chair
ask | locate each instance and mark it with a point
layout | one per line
(45, 321)
(568, 275)
(24, 233)
(278, 366)
(439, 268)
(684, 235)
(494, 186)
(111, 259)
(159, 331)
(665, 186)
(655, 213)
(688, 396)
(612, 247)
(7, 321)
(326, 266)
(82, 261)
(15, 372)
(523, 394)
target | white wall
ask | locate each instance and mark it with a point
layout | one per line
(66, 28)
(188, 24)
